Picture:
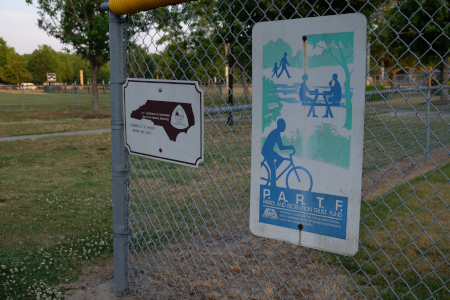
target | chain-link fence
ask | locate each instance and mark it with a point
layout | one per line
(77, 89)
(188, 228)
(35, 96)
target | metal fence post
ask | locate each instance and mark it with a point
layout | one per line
(119, 157)
(427, 134)
(230, 119)
(23, 100)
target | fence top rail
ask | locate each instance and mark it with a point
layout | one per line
(226, 109)
(231, 109)
(129, 7)
(414, 89)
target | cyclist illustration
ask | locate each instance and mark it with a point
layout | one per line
(274, 160)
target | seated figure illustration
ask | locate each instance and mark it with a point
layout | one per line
(304, 89)
(274, 159)
(335, 90)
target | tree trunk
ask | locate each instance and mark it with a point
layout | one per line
(248, 99)
(429, 75)
(348, 98)
(394, 75)
(348, 101)
(95, 104)
(444, 78)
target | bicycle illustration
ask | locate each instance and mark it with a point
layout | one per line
(297, 177)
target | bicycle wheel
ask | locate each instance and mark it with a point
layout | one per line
(299, 178)
(265, 174)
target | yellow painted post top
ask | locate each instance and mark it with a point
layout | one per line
(129, 7)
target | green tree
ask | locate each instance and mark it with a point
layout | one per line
(42, 61)
(141, 64)
(425, 30)
(15, 70)
(239, 17)
(271, 104)
(65, 70)
(400, 42)
(189, 55)
(223, 24)
(339, 50)
(81, 24)
(79, 63)
(177, 61)
(4, 50)
(104, 73)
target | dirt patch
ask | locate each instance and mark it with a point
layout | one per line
(219, 265)
(381, 181)
(97, 283)
(99, 116)
(231, 263)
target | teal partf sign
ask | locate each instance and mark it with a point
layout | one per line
(307, 131)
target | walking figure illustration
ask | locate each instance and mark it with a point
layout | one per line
(283, 64)
(275, 70)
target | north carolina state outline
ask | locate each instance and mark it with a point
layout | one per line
(173, 117)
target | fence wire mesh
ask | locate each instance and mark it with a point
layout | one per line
(189, 234)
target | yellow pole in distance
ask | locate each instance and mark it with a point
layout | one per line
(81, 78)
(129, 7)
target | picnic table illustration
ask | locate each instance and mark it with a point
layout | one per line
(316, 102)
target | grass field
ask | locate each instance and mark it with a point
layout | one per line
(389, 139)
(55, 211)
(15, 122)
(53, 112)
(405, 246)
(12, 99)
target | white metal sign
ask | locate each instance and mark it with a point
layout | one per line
(164, 120)
(51, 77)
(307, 135)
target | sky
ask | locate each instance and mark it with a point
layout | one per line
(18, 27)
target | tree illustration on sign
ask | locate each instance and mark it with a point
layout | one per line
(337, 50)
